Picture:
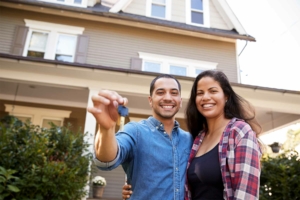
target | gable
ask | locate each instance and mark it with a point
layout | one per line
(217, 16)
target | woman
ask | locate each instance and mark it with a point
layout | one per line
(224, 162)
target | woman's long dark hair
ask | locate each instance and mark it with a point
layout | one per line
(236, 106)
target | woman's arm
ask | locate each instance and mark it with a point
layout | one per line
(246, 180)
(126, 192)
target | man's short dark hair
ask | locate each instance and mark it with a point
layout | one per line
(163, 76)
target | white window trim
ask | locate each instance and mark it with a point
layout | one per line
(37, 114)
(68, 2)
(168, 10)
(166, 61)
(54, 27)
(52, 118)
(53, 30)
(206, 14)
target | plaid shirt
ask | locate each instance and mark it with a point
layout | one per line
(239, 156)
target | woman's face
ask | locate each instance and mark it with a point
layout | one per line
(210, 98)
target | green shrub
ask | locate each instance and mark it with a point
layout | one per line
(280, 177)
(49, 163)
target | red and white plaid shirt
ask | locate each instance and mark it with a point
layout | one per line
(239, 156)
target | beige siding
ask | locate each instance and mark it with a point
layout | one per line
(113, 46)
(137, 7)
(178, 12)
(216, 20)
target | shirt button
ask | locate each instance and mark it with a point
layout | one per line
(177, 168)
(157, 127)
(160, 124)
(177, 190)
(165, 132)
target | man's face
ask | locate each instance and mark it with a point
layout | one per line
(165, 100)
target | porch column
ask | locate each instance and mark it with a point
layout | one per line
(90, 127)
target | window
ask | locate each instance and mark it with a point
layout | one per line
(159, 9)
(51, 41)
(198, 71)
(174, 65)
(65, 47)
(152, 66)
(198, 12)
(38, 116)
(79, 3)
(178, 70)
(46, 122)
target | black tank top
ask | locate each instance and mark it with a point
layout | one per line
(205, 178)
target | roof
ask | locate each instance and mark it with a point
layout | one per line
(103, 11)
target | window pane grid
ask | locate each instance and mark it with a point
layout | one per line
(152, 66)
(66, 44)
(38, 41)
(46, 123)
(178, 70)
(197, 18)
(78, 1)
(158, 11)
(197, 4)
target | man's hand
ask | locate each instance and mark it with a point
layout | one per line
(106, 114)
(105, 108)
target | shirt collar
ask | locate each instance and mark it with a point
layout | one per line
(157, 123)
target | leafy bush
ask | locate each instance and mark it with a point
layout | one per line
(7, 183)
(49, 163)
(280, 177)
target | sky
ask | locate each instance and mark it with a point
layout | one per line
(274, 59)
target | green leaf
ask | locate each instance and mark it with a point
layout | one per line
(13, 188)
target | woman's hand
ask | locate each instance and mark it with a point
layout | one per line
(126, 192)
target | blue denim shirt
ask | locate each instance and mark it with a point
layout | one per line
(154, 162)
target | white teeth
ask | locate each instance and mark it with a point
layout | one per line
(167, 107)
(207, 105)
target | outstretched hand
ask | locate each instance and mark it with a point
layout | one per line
(105, 108)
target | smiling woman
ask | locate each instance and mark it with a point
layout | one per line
(225, 131)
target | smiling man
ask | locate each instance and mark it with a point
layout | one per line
(153, 152)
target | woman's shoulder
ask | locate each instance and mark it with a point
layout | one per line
(236, 123)
(239, 128)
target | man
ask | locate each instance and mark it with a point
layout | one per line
(153, 152)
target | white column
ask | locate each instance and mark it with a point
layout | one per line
(90, 127)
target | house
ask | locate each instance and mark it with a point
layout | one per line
(55, 54)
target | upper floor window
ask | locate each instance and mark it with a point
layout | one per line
(159, 9)
(197, 12)
(80, 3)
(51, 41)
(174, 65)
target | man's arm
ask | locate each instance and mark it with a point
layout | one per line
(106, 114)
(106, 147)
